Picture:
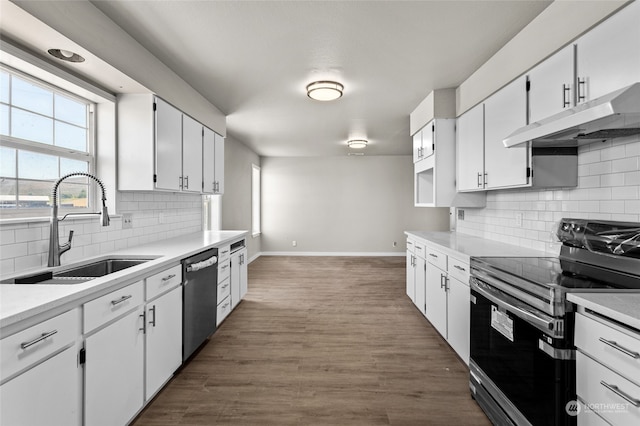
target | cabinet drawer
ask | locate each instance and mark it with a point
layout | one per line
(224, 289)
(29, 346)
(224, 308)
(163, 281)
(613, 348)
(223, 253)
(419, 249)
(437, 258)
(103, 309)
(411, 246)
(458, 270)
(224, 269)
(615, 398)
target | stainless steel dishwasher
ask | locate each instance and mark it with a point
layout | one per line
(200, 293)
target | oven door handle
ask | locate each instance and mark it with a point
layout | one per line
(543, 322)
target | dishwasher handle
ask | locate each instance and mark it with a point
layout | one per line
(203, 264)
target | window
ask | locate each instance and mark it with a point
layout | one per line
(255, 200)
(45, 133)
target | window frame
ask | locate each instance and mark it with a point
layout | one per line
(90, 156)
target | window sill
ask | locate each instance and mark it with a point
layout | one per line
(27, 220)
(256, 234)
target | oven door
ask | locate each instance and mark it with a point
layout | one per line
(527, 372)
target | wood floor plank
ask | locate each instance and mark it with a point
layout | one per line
(321, 341)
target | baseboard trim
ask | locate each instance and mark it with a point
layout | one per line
(332, 253)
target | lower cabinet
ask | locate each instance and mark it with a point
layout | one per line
(238, 276)
(163, 340)
(113, 391)
(47, 394)
(439, 283)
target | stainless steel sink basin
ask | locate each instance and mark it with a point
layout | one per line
(100, 268)
(78, 274)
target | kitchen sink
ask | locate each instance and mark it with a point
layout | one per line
(78, 274)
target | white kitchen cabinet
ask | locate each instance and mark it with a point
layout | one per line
(163, 340)
(192, 154)
(48, 394)
(504, 112)
(40, 374)
(552, 85)
(411, 271)
(114, 364)
(436, 290)
(238, 276)
(161, 148)
(213, 162)
(470, 150)
(458, 319)
(420, 276)
(435, 176)
(423, 143)
(168, 146)
(608, 56)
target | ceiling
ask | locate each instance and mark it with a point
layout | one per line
(253, 59)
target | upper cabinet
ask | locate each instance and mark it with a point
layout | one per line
(435, 154)
(504, 112)
(552, 85)
(161, 148)
(608, 57)
(470, 149)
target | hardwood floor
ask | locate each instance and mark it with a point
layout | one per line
(321, 341)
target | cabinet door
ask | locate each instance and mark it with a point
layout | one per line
(208, 161)
(411, 277)
(417, 146)
(114, 372)
(470, 150)
(458, 318)
(609, 55)
(551, 89)
(191, 155)
(48, 394)
(428, 139)
(244, 274)
(436, 299)
(168, 122)
(164, 339)
(419, 300)
(235, 278)
(505, 112)
(219, 164)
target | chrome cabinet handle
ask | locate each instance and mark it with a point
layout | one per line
(186, 182)
(622, 349)
(485, 182)
(153, 318)
(168, 277)
(179, 181)
(143, 315)
(43, 336)
(122, 299)
(581, 86)
(566, 90)
(226, 285)
(615, 389)
(459, 268)
(479, 178)
(433, 255)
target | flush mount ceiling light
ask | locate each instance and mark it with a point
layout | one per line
(324, 90)
(357, 143)
(65, 55)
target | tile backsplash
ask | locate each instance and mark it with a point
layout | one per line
(608, 189)
(156, 216)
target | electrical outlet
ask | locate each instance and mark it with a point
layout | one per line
(395, 244)
(460, 214)
(127, 221)
(294, 243)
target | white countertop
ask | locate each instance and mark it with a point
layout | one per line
(19, 302)
(463, 245)
(622, 307)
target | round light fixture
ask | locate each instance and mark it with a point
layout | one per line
(357, 143)
(65, 55)
(324, 90)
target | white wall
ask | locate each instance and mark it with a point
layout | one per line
(341, 205)
(608, 189)
(236, 201)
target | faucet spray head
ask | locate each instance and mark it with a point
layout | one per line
(104, 214)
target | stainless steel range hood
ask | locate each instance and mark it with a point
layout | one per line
(611, 116)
